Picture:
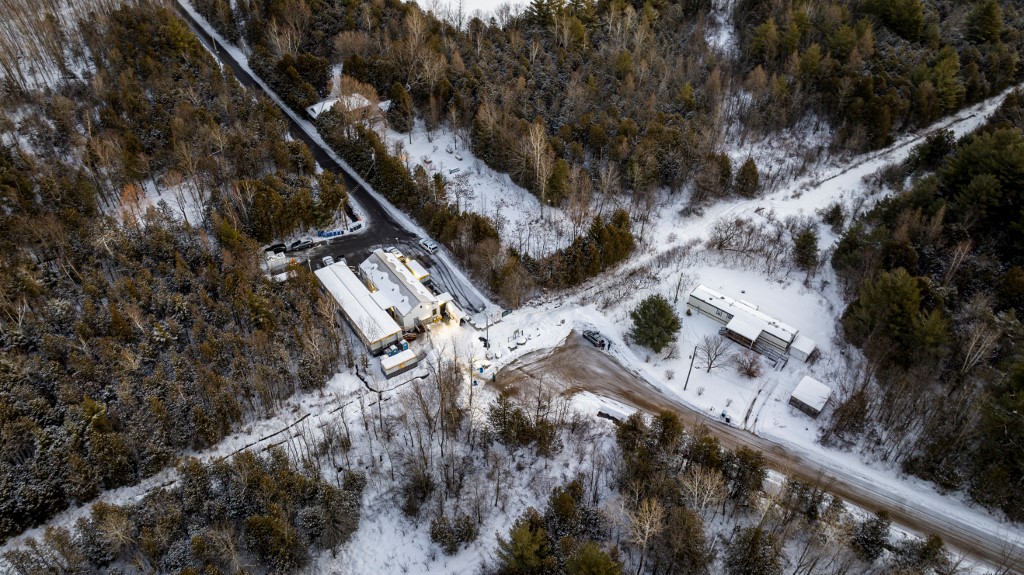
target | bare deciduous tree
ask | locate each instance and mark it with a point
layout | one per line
(711, 351)
(644, 524)
(704, 488)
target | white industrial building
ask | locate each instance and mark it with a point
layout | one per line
(395, 286)
(810, 396)
(374, 326)
(747, 325)
(388, 300)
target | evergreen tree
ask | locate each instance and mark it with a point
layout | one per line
(805, 249)
(904, 17)
(871, 536)
(400, 114)
(748, 181)
(985, 23)
(541, 13)
(655, 323)
(590, 559)
(887, 318)
(754, 552)
(527, 550)
(999, 469)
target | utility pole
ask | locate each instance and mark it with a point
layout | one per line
(692, 357)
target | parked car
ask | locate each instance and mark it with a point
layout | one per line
(300, 245)
(429, 245)
(458, 157)
(393, 251)
(274, 249)
(596, 339)
(328, 260)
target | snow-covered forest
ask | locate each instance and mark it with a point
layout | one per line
(166, 406)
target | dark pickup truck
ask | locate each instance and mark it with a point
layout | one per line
(596, 339)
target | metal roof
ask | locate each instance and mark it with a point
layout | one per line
(373, 323)
(748, 313)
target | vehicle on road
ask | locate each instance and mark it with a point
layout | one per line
(299, 245)
(429, 245)
(596, 339)
(328, 260)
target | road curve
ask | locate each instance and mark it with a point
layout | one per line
(578, 365)
(383, 226)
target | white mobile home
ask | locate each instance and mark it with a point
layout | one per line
(372, 324)
(747, 325)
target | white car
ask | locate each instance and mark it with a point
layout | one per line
(393, 251)
(429, 245)
(328, 260)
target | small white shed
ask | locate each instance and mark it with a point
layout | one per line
(810, 396)
(401, 362)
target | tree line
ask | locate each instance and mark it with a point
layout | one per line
(679, 503)
(934, 276)
(873, 68)
(129, 335)
(219, 517)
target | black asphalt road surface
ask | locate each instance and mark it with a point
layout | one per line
(383, 229)
(383, 226)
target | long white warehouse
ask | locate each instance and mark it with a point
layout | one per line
(372, 324)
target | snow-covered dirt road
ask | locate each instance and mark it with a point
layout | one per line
(576, 364)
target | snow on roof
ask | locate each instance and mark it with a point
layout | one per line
(390, 361)
(418, 271)
(397, 287)
(320, 107)
(804, 344)
(812, 393)
(740, 327)
(369, 318)
(348, 103)
(353, 102)
(454, 312)
(750, 314)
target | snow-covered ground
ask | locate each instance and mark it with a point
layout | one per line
(386, 542)
(451, 10)
(183, 201)
(475, 187)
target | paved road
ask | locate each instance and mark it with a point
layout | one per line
(578, 365)
(383, 229)
(383, 226)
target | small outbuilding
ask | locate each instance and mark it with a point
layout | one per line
(810, 396)
(401, 362)
(803, 348)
